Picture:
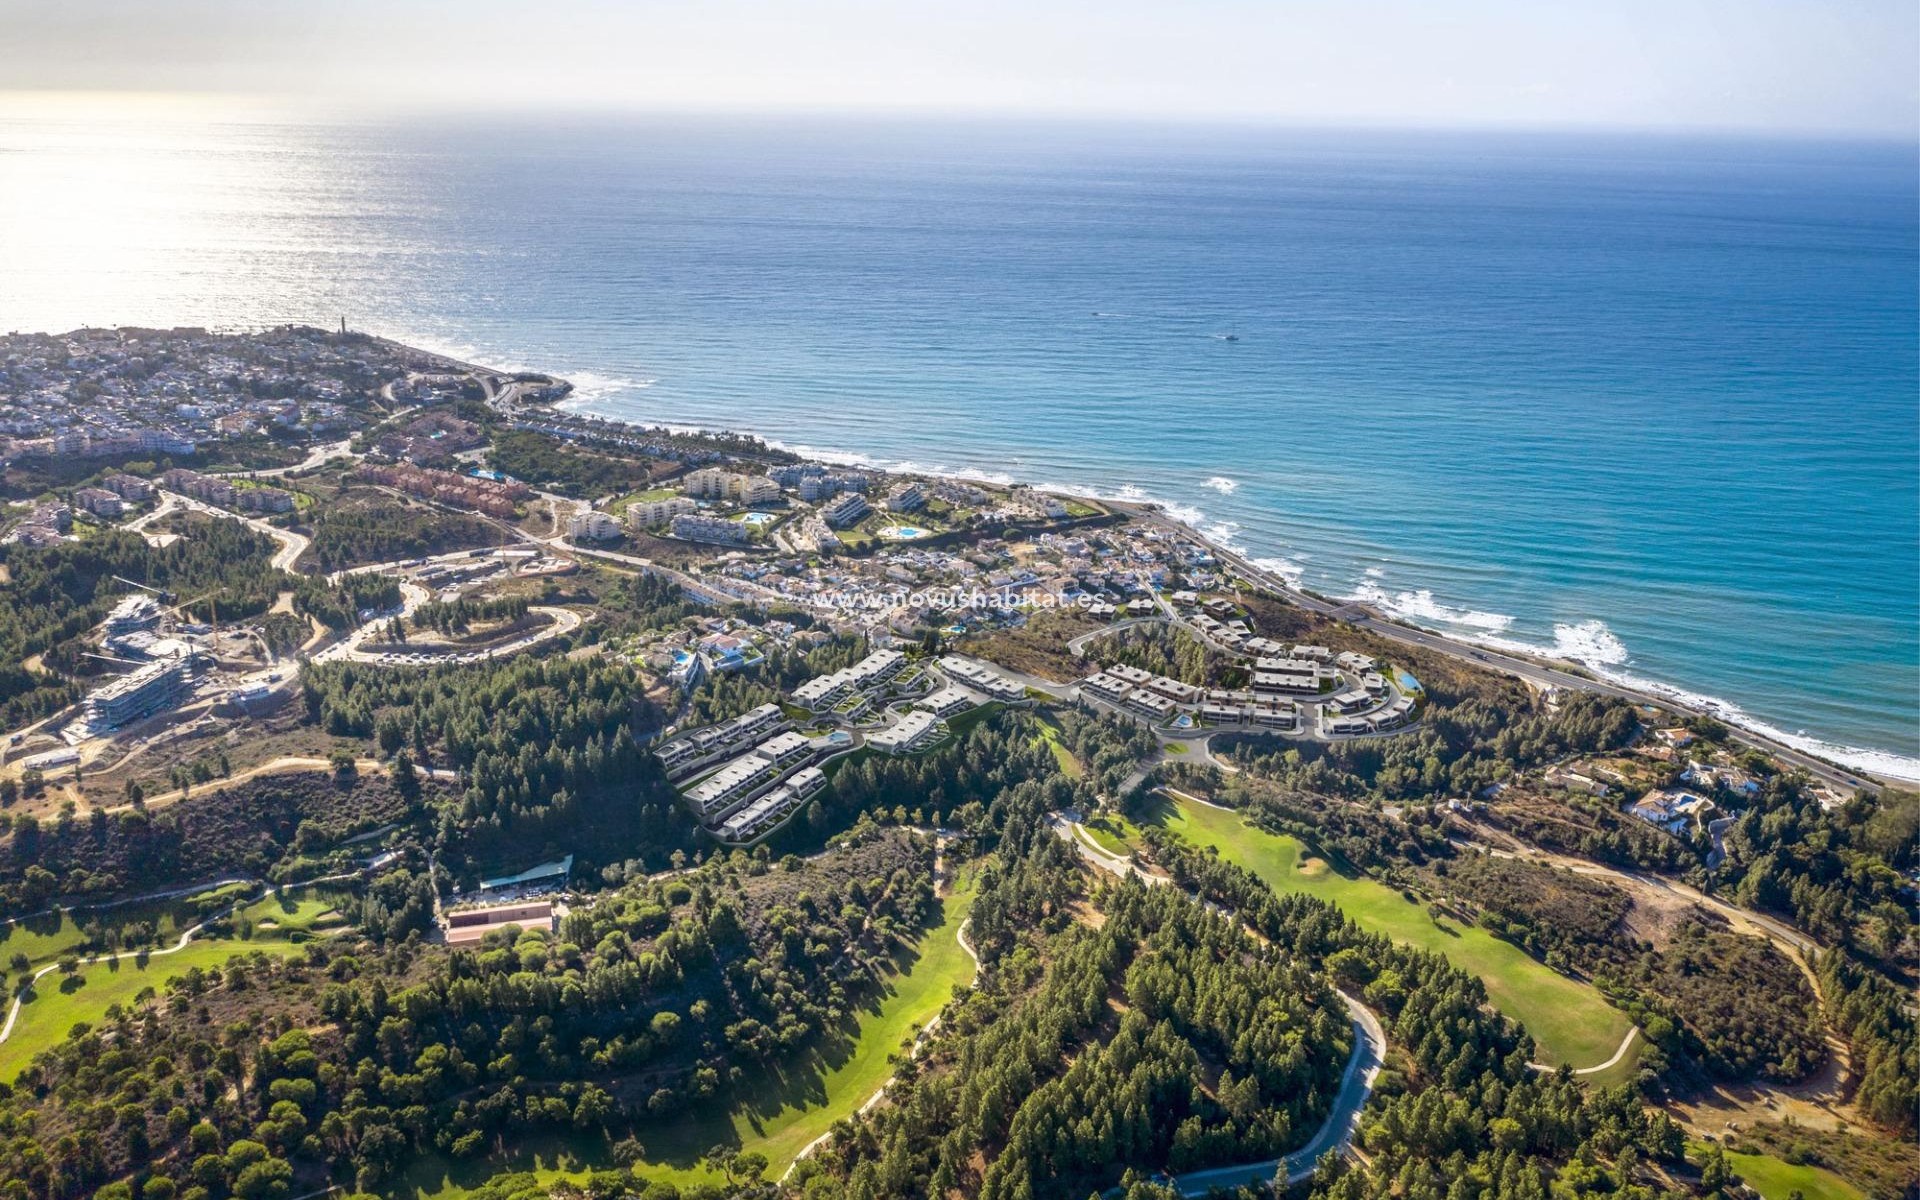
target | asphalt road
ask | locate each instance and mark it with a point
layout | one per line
(1525, 668)
(1356, 1084)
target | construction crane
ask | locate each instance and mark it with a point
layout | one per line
(125, 662)
(182, 607)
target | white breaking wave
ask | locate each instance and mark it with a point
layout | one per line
(1420, 606)
(1593, 645)
(1223, 485)
(589, 386)
(1877, 762)
(1589, 643)
(1287, 569)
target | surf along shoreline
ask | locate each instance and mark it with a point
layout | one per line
(1505, 656)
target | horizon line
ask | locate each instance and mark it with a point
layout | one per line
(266, 106)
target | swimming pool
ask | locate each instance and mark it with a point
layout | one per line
(903, 533)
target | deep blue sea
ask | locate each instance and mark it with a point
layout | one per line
(1649, 402)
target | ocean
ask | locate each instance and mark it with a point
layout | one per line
(1647, 402)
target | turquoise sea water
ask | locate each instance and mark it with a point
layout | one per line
(1648, 402)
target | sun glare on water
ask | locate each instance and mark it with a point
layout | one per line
(136, 209)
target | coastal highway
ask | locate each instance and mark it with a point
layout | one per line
(1532, 670)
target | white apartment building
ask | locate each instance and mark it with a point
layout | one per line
(645, 514)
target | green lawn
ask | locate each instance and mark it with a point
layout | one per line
(647, 496)
(1569, 1020)
(1113, 833)
(1777, 1179)
(45, 1020)
(1050, 734)
(293, 913)
(790, 1109)
(45, 938)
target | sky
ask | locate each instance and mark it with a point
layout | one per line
(1784, 66)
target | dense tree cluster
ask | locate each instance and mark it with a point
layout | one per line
(341, 603)
(353, 1060)
(1459, 1115)
(1839, 873)
(547, 462)
(55, 594)
(545, 747)
(1107, 745)
(459, 615)
(1363, 835)
(1876, 1016)
(1168, 650)
(353, 529)
(1460, 746)
(254, 826)
(1164, 1037)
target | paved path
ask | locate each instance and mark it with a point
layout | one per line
(292, 545)
(168, 894)
(1335, 1135)
(1626, 1043)
(880, 1093)
(1078, 646)
(186, 937)
(1356, 1085)
(315, 457)
(559, 621)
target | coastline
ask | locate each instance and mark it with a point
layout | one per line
(1841, 765)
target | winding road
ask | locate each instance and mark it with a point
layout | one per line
(1356, 1084)
(292, 545)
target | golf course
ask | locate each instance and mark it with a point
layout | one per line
(1571, 1022)
(58, 1000)
(786, 1111)
(1777, 1179)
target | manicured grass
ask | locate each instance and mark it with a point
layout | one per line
(790, 1109)
(293, 913)
(1777, 1179)
(1113, 833)
(650, 494)
(45, 1020)
(1569, 1020)
(45, 938)
(1050, 734)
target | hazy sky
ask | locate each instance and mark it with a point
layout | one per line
(1786, 65)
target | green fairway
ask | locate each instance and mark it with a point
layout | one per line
(1569, 1020)
(293, 913)
(1113, 833)
(1050, 734)
(45, 1020)
(788, 1110)
(46, 937)
(1777, 1179)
